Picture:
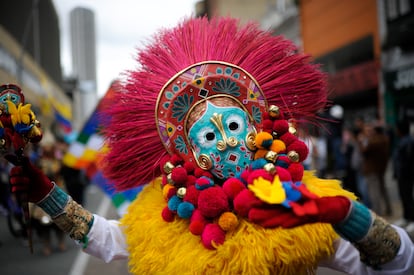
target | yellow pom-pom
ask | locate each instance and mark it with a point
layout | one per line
(263, 140)
(228, 221)
(278, 146)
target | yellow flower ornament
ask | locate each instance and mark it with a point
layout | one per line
(269, 192)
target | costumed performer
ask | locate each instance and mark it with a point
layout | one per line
(209, 119)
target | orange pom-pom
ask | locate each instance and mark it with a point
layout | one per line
(260, 153)
(278, 146)
(263, 140)
(228, 221)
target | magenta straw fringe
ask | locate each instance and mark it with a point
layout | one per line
(287, 78)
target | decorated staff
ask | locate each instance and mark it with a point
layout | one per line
(18, 127)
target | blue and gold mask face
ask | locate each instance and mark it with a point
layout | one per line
(218, 138)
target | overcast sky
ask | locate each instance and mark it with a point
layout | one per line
(121, 26)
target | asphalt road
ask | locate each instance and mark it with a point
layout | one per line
(16, 259)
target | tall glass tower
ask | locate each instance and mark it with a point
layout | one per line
(83, 46)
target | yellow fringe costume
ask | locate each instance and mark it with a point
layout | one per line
(159, 247)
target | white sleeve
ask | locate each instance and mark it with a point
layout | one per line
(346, 259)
(106, 240)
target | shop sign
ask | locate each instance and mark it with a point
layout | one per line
(401, 80)
(358, 78)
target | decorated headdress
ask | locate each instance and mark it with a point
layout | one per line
(184, 69)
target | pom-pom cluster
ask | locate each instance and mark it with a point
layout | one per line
(213, 209)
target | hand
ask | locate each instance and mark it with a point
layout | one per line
(26, 178)
(331, 210)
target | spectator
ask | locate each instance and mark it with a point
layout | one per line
(374, 146)
(403, 172)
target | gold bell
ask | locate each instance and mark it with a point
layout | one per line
(270, 168)
(271, 156)
(274, 111)
(292, 127)
(293, 156)
(181, 192)
(168, 166)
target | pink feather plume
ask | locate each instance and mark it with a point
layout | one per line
(287, 78)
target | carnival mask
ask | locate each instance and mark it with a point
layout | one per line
(218, 139)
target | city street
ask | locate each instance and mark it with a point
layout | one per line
(15, 257)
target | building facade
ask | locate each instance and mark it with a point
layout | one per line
(83, 48)
(343, 36)
(397, 19)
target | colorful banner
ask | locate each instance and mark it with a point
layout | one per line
(84, 151)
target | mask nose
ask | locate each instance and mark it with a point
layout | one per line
(216, 119)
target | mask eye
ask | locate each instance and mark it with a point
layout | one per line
(233, 126)
(206, 137)
(210, 136)
(235, 123)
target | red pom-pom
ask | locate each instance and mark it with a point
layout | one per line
(179, 175)
(232, 187)
(284, 174)
(296, 171)
(198, 172)
(197, 227)
(171, 192)
(189, 167)
(259, 173)
(190, 180)
(176, 160)
(203, 183)
(244, 201)
(191, 195)
(197, 223)
(300, 148)
(212, 202)
(245, 175)
(288, 138)
(212, 235)
(280, 127)
(167, 214)
(267, 125)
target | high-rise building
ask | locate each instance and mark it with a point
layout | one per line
(83, 46)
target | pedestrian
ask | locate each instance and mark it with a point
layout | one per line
(349, 149)
(403, 164)
(228, 193)
(375, 149)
